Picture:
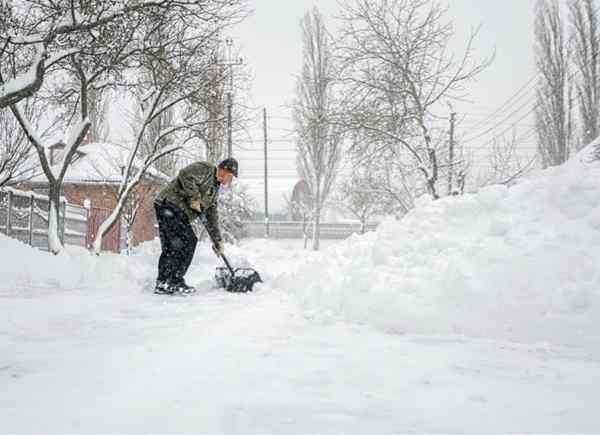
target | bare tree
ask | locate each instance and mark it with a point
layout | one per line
(319, 141)
(17, 161)
(150, 141)
(212, 105)
(171, 74)
(227, 76)
(92, 57)
(398, 73)
(360, 195)
(95, 44)
(237, 206)
(132, 206)
(553, 117)
(54, 174)
(585, 35)
(507, 165)
(98, 107)
(596, 154)
(33, 33)
(302, 211)
(134, 170)
(300, 207)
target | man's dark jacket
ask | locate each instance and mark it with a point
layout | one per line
(196, 181)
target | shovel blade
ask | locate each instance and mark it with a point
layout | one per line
(242, 284)
(243, 281)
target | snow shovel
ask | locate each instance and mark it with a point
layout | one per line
(240, 280)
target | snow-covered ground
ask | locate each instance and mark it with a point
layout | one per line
(477, 314)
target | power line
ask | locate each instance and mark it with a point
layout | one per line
(501, 122)
(529, 100)
(507, 103)
(278, 140)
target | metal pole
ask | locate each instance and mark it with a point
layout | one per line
(229, 141)
(230, 63)
(9, 213)
(31, 211)
(229, 43)
(266, 178)
(451, 153)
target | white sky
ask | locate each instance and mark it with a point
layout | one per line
(270, 44)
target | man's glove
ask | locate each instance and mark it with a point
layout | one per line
(196, 204)
(203, 219)
(218, 248)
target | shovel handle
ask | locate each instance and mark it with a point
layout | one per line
(204, 222)
(228, 265)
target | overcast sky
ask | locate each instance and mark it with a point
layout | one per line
(270, 43)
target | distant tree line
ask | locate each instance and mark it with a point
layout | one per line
(567, 52)
(375, 92)
(370, 97)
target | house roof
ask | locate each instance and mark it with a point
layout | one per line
(100, 162)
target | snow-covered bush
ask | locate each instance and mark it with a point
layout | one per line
(235, 206)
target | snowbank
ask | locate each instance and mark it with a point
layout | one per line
(516, 263)
(26, 270)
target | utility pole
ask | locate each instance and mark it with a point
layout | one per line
(229, 139)
(266, 178)
(230, 63)
(451, 152)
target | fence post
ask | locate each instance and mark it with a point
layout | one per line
(9, 212)
(30, 236)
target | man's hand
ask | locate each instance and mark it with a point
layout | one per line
(218, 248)
(196, 205)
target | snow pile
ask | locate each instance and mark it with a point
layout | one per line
(517, 263)
(27, 270)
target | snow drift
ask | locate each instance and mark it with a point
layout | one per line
(517, 263)
(26, 270)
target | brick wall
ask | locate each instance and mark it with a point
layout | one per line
(100, 195)
(144, 227)
(105, 196)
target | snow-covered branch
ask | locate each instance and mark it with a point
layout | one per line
(26, 84)
(74, 140)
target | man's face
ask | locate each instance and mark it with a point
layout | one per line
(224, 177)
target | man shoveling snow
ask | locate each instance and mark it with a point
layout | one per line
(190, 195)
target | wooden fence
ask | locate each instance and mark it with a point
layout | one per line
(24, 216)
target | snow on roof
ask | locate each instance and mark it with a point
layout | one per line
(100, 162)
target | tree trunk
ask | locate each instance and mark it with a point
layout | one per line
(106, 226)
(316, 229)
(54, 243)
(129, 238)
(317, 219)
(304, 235)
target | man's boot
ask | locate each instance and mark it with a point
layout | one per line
(181, 286)
(163, 288)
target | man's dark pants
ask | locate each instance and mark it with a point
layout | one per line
(178, 242)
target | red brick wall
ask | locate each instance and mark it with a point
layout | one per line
(105, 196)
(144, 226)
(100, 196)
